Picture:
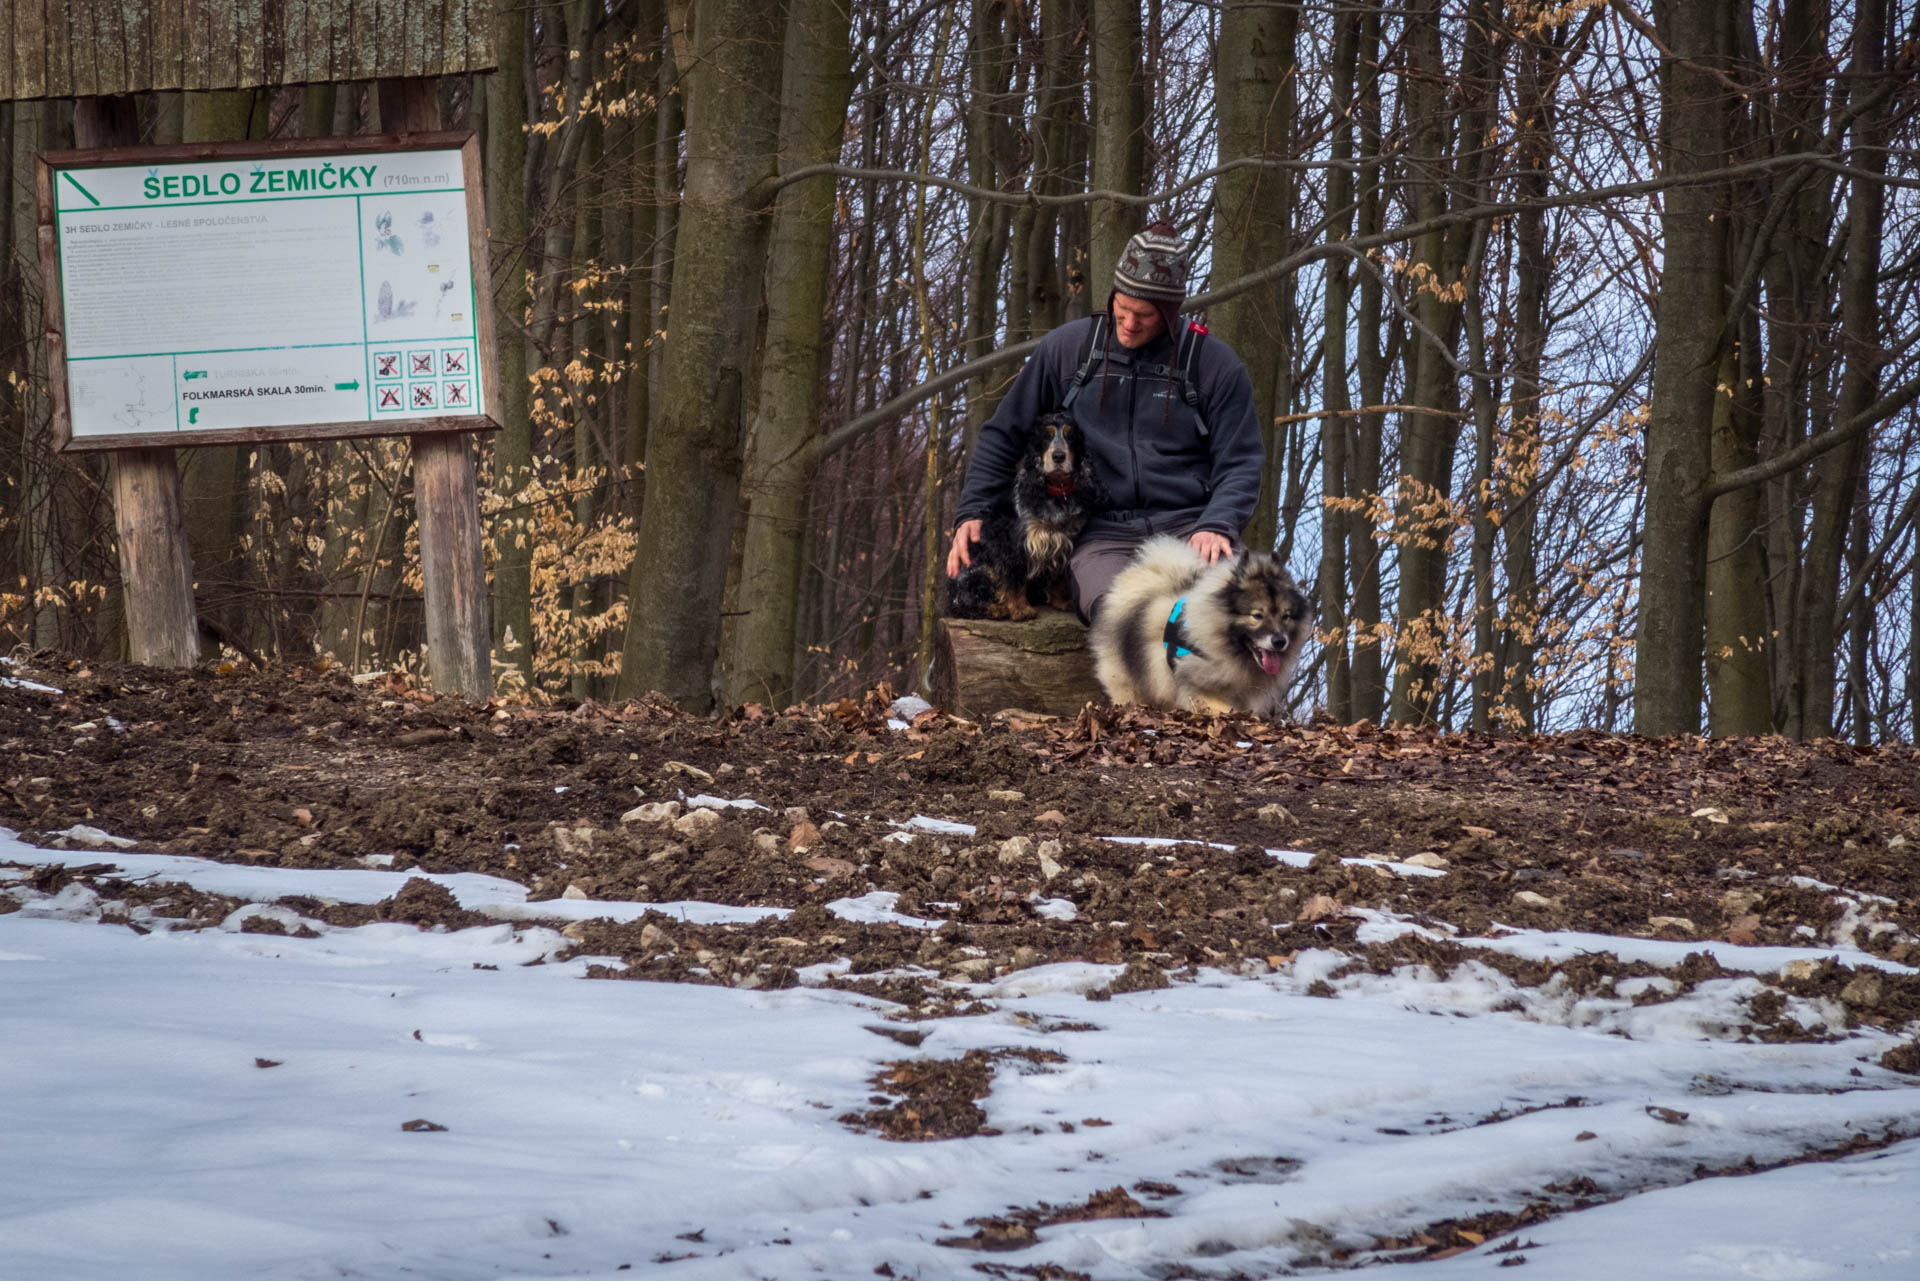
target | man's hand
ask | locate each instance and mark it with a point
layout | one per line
(1208, 545)
(961, 553)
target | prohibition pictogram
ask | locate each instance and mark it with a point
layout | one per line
(389, 398)
(420, 363)
(423, 397)
(386, 364)
(457, 394)
(453, 361)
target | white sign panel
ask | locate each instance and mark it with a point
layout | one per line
(284, 292)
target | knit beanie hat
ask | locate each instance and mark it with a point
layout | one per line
(1153, 267)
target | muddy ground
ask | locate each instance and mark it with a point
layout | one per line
(1750, 841)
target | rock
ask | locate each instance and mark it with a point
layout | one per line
(1006, 794)
(693, 772)
(577, 931)
(573, 842)
(1025, 958)
(766, 843)
(573, 891)
(1275, 813)
(696, 821)
(1050, 852)
(652, 812)
(1897, 842)
(797, 814)
(1531, 899)
(1864, 991)
(1744, 931)
(1711, 813)
(1425, 858)
(1320, 907)
(1053, 818)
(1016, 850)
(1801, 969)
(1740, 902)
(1680, 923)
(1484, 833)
(655, 939)
(803, 837)
(973, 970)
(830, 866)
(303, 816)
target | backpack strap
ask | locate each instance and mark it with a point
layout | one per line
(1186, 365)
(1089, 352)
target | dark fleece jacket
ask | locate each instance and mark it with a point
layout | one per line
(1160, 472)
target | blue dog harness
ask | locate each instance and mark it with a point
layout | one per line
(1176, 635)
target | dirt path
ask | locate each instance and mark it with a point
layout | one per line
(1745, 841)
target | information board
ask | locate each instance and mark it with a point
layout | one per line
(306, 291)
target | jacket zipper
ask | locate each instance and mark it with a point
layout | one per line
(1133, 413)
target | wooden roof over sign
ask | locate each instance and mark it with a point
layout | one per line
(82, 48)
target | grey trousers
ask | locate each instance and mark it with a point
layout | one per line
(1098, 561)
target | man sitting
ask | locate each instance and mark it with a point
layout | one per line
(1167, 414)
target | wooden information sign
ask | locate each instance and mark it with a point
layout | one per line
(251, 292)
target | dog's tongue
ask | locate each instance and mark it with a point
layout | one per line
(1269, 661)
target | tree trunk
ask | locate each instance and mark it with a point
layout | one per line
(506, 164)
(1422, 517)
(1336, 429)
(694, 459)
(1837, 473)
(816, 83)
(1254, 105)
(1689, 320)
(1119, 134)
(1363, 542)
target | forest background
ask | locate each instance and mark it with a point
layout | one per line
(1585, 335)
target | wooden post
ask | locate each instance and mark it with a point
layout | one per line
(445, 490)
(156, 569)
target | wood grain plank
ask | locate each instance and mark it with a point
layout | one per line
(83, 80)
(29, 49)
(166, 54)
(59, 50)
(249, 43)
(195, 30)
(10, 52)
(339, 35)
(223, 47)
(476, 20)
(114, 71)
(427, 47)
(369, 35)
(297, 50)
(52, 312)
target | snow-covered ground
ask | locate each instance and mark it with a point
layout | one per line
(183, 1106)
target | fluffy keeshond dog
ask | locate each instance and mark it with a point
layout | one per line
(1021, 558)
(1174, 631)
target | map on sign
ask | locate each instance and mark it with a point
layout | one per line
(294, 291)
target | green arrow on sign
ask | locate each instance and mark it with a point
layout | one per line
(192, 374)
(352, 386)
(77, 187)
